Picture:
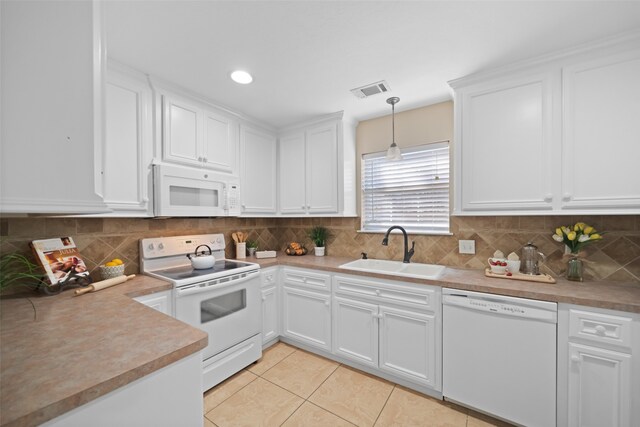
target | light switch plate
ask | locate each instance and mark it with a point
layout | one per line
(467, 247)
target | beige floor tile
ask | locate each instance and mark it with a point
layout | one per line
(476, 419)
(408, 408)
(224, 390)
(353, 395)
(260, 403)
(310, 415)
(208, 423)
(271, 357)
(301, 373)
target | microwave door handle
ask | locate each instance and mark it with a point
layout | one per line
(196, 289)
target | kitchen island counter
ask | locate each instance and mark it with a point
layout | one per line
(602, 294)
(63, 351)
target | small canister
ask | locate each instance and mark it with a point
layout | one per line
(241, 250)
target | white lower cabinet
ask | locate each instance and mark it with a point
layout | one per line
(306, 307)
(598, 367)
(161, 301)
(270, 306)
(393, 327)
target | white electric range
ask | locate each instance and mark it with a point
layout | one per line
(223, 301)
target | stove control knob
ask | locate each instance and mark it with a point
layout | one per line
(151, 247)
(160, 246)
(218, 240)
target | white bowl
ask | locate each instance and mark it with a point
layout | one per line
(498, 269)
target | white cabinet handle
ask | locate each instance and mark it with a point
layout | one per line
(378, 292)
(600, 330)
(264, 298)
(566, 197)
(379, 316)
(548, 198)
(575, 359)
(304, 279)
(327, 303)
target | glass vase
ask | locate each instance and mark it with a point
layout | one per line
(575, 268)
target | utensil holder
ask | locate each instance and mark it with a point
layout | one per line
(241, 250)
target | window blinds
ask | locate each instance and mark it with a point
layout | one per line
(412, 192)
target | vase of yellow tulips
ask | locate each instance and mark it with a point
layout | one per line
(575, 239)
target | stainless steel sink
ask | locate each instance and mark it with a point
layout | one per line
(396, 268)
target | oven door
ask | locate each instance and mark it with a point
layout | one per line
(230, 312)
(184, 191)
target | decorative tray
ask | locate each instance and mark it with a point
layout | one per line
(541, 278)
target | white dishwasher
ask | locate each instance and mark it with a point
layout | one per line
(499, 356)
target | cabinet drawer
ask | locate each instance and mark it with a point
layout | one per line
(392, 293)
(307, 279)
(600, 327)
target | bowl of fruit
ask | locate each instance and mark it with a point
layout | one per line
(498, 265)
(111, 269)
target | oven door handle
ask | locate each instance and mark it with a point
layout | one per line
(196, 289)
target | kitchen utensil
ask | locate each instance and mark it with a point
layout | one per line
(104, 284)
(202, 260)
(529, 259)
(234, 236)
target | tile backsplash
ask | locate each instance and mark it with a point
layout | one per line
(615, 258)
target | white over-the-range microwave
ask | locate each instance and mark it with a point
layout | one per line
(186, 191)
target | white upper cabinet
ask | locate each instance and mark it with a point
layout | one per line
(316, 165)
(601, 146)
(128, 142)
(52, 59)
(195, 134)
(258, 171)
(554, 135)
(506, 149)
(292, 173)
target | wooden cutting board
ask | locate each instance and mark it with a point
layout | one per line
(541, 278)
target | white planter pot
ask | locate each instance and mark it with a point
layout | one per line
(319, 251)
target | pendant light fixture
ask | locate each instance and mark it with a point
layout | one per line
(393, 153)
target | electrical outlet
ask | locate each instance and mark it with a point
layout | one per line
(467, 247)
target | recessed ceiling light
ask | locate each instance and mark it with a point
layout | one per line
(241, 77)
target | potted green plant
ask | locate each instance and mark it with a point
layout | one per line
(319, 236)
(17, 270)
(252, 247)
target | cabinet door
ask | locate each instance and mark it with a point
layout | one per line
(600, 149)
(269, 314)
(599, 387)
(160, 301)
(355, 331)
(258, 171)
(128, 145)
(182, 132)
(408, 345)
(506, 156)
(291, 165)
(220, 143)
(307, 317)
(322, 169)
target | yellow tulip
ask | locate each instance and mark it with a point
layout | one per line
(580, 226)
(595, 236)
(559, 231)
(588, 229)
(571, 236)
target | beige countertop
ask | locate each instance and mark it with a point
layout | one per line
(611, 295)
(65, 351)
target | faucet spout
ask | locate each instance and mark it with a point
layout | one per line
(407, 253)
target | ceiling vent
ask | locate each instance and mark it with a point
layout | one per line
(371, 89)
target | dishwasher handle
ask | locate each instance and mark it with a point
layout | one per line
(548, 314)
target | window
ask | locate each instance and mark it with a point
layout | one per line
(412, 192)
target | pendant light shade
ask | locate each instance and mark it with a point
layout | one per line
(393, 153)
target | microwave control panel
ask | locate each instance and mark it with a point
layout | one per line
(233, 199)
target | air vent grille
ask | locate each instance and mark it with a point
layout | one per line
(371, 89)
